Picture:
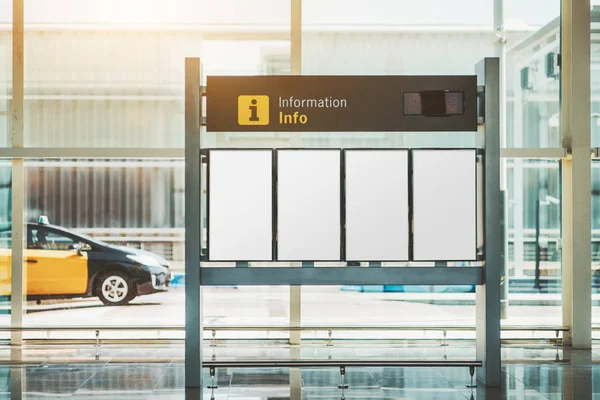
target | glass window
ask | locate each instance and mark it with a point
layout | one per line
(393, 12)
(533, 252)
(5, 239)
(130, 212)
(5, 69)
(114, 86)
(121, 84)
(595, 142)
(387, 38)
(595, 75)
(595, 242)
(530, 14)
(533, 74)
(45, 239)
(118, 86)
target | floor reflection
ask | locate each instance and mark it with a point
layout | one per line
(152, 381)
(573, 376)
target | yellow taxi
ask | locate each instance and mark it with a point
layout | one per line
(63, 264)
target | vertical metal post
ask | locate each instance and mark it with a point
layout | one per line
(193, 226)
(575, 132)
(566, 21)
(18, 274)
(18, 64)
(517, 187)
(566, 248)
(296, 69)
(18, 382)
(296, 38)
(537, 245)
(295, 375)
(504, 278)
(581, 385)
(296, 291)
(517, 192)
(488, 294)
(501, 54)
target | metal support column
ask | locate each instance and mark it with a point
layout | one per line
(193, 226)
(296, 38)
(18, 273)
(566, 249)
(18, 382)
(576, 185)
(296, 69)
(488, 294)
(581, 385)
(501, 54)
(517, 186)
(295, 375)
(18, 282)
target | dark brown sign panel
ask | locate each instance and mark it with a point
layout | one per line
(341, 103)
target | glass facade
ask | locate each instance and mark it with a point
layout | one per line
(5, 166)
(595, 142)
(5, 241)
(111, 77)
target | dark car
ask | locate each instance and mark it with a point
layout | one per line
(64, 264)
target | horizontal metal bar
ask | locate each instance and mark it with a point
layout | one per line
(535, 328)
(342, 276)
(282, 328)
(255, 31)
(110, 163)
(281, 341)
(86, 152)
(90, 328)
(336, 363)
(543, 153)
(291, 363)
(380, 328)
(124, 152)
(99, 97)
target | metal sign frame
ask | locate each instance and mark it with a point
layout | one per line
(486, 277)
(479, 254)
(343, 211)
(206, 159)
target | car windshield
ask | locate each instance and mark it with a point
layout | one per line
(4, 230)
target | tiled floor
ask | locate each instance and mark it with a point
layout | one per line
(82, 373)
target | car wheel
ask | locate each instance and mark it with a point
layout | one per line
(114, 289)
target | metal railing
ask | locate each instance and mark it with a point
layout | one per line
(281, 328)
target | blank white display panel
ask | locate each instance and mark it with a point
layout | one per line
(308, 205)
(240, 205)
(377, 205)
(444, 205)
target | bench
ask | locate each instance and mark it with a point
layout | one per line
(342, 364)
